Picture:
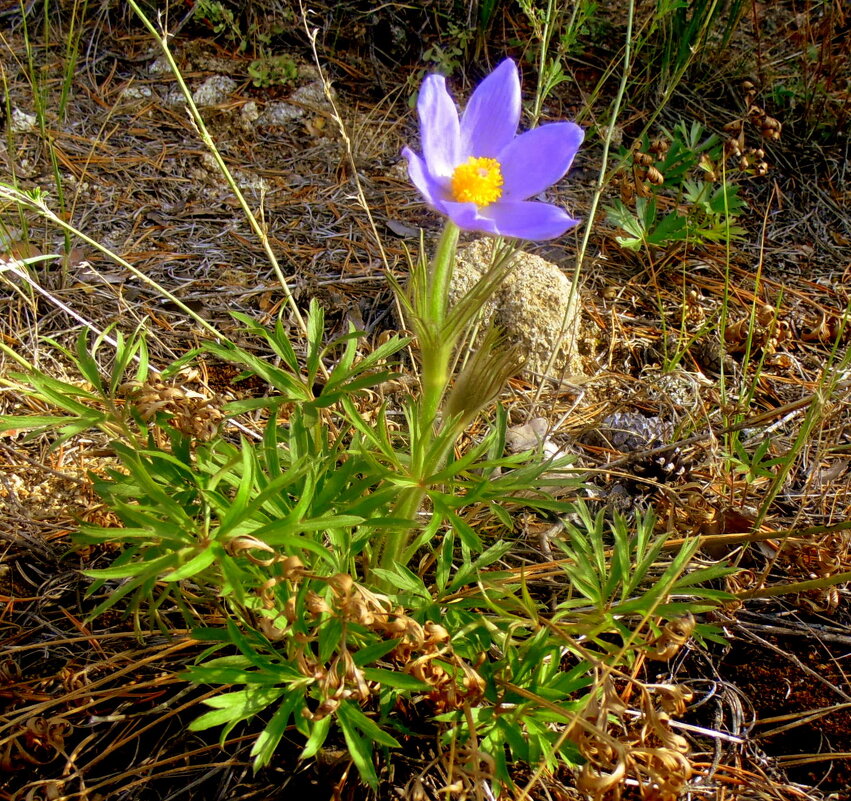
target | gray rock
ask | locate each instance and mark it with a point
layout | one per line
(174, 97)
(533, 307)
(312, 96)
(159, 66)
(249, 113)
(135, 95)
(22, 122)
(214, 91)
(279, 115)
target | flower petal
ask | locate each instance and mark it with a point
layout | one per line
(528, 219)
(439, 127)
(490, 120)
(538, 158)
(467, 217)
(418, 172)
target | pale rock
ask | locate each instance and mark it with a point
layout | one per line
(279, 115)
(135, 94)
(174, 97)
(312, 96)
(21, 122)
(249, 112)
(159, 66)
(532, 308)
(214, 91)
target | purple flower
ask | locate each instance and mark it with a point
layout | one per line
(478, 172)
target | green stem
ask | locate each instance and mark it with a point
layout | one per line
(436, 351)
(436, 354)
(440, 275)
(798, 586)
(393, 545)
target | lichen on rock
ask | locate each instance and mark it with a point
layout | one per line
(533, 307)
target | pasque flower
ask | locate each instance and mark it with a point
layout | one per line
(478, 172)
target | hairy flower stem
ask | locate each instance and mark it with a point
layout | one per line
(440, 274)
(436, 349)
(392, 547)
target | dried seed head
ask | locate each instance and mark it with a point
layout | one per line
(771, 128)
(358, 610)
(673, 698)
(765, 313)
(643, 159)
(293, 567)
(674, 635)
(290, 610)
(188, 412)
(733, 127)
(436, 633)
(747, 85)
(342, 584)
(244, 545)
(397, 627)
(316, 604)
(655, 177)
(273, 629)
(327, 707)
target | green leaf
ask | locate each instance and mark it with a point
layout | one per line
(402, 578)
(86, 362)
(673, 227)
(238, 507)
(374, 652)
(26, 422)
(231, 708)
(268, 740)
(318, 733)
(466, 533)
(151, 567)
(330, 635)
(493, 554)
(392, 678)
(315, 332)
(444, 560)
(370, 729)
(201, 561)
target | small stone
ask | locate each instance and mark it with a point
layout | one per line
(214, 91)
(21, 122)
(174, 97)
(249, 181)
(133, 94)
(630, 431)
(249, 112)
(279, 115)
(159, 66)
(312, 95)
(527, 436)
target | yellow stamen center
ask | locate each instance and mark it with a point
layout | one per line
(477, 180)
